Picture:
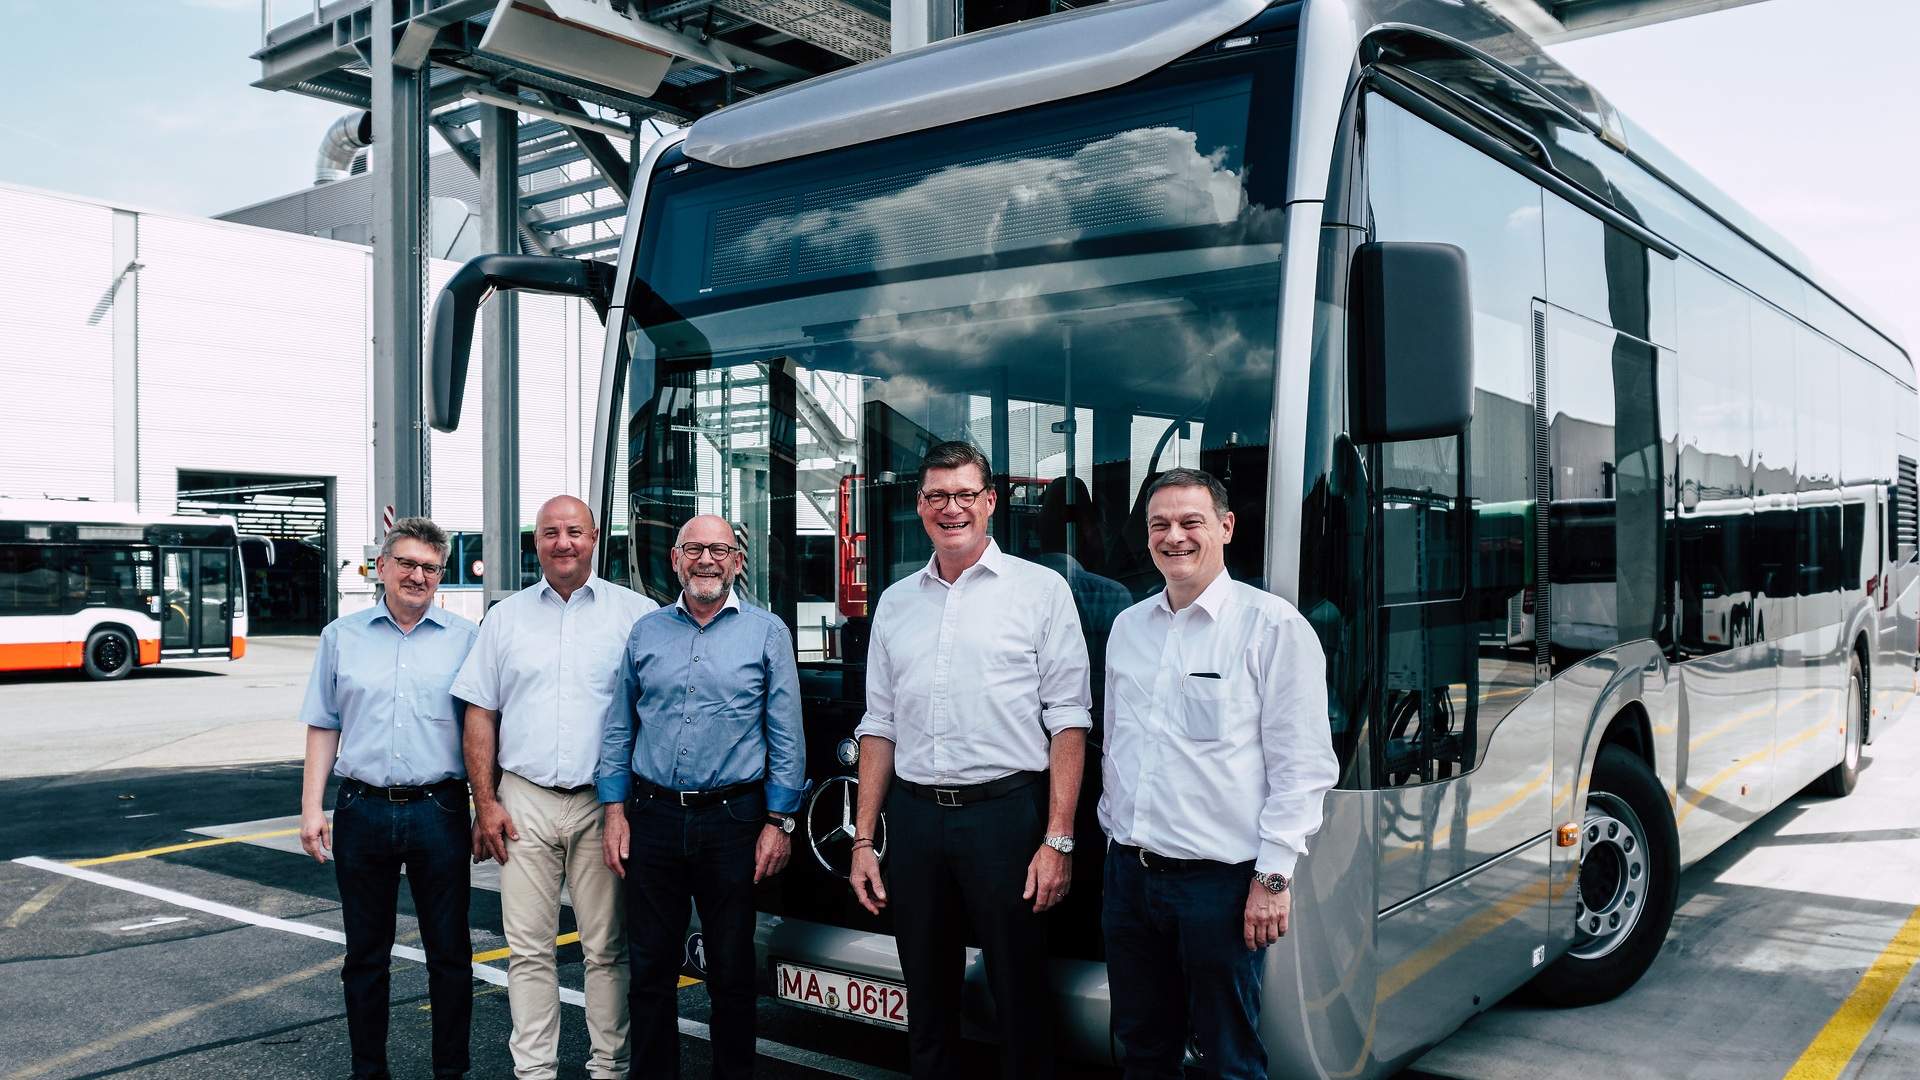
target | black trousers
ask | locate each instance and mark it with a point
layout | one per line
(372, 838)
(951, 867)
(678, 859)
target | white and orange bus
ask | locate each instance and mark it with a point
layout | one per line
(102, 587)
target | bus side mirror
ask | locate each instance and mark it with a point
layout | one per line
(1410, 369)
(450, 340)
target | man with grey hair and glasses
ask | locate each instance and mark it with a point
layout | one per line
(380, 714)
(701, 772)
(537, 688)
(974, 739)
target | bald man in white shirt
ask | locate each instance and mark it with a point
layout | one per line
(1218, 759)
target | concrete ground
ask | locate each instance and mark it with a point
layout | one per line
(98, 978)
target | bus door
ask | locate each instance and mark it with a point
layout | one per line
(196, 602)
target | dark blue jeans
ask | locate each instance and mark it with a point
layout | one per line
(704, 857)
(1177, 959)
(372, 838)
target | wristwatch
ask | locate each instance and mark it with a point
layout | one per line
(784, 824)
(1273, 883)
(1061, 844)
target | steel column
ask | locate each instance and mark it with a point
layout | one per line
(923, 22)
(500, 356)
(399, 276)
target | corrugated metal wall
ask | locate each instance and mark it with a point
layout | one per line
(56, 347)
(254, 358)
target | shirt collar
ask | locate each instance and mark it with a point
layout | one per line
(1211, 599)
(588, 586)
(732, 604)
(434, 614)
(993, 560)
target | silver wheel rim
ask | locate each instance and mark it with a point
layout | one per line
(1614, 873)
(1854, 721)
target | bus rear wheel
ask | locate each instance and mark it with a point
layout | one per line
(1629, 882)
(109, 655)
(1838, 781)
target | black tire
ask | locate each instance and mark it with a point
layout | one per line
(109, 654)
(1629, 882)
(1838, 781)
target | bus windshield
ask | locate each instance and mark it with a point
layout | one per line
(1086, 291)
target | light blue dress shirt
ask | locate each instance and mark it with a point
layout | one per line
(389, 694)
(712, 706)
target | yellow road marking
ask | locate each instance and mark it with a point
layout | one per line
(32, 907)
(183, 847)
(170, 1020)
(502, 954)
(688, 980)
(1840, 1039)
(1721, 777)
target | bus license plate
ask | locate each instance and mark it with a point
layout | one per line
(868, 999)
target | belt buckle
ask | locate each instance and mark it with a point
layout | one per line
(390, 797)
(683, 796)
(1143, 859)
(946, 796)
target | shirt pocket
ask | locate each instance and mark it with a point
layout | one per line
(1205, 704)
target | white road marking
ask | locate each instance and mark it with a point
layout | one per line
(161, 921)
(495, 976)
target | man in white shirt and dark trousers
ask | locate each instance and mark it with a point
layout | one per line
(1218, 758)
(977, 718)
(538, 685)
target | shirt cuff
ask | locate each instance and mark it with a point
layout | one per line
(875, 725)
(1065, 718)
(614, 788)
(1276, 859)
(472, 696)
(783, 800)
(323, 722)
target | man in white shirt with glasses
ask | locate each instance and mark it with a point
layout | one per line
(1218, 759)
(974, 737)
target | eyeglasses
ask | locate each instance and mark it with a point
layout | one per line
(962, 499)
(720, 552)
(408, 566)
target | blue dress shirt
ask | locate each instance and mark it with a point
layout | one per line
(712, 706)
(388, 693)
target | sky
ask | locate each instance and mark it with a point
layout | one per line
(1786, 104)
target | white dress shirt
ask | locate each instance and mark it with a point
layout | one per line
(1233, 768)
(971, 680)
(550, 667)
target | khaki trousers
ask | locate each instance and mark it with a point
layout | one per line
(560, 842)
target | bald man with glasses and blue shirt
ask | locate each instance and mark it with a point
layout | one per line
(701, 773)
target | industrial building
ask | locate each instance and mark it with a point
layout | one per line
(198, 366)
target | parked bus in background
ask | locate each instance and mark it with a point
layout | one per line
(1600, 499)
(100, 587)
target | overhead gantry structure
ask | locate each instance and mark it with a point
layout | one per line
(597, 77)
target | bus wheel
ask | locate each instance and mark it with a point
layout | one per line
(109, 655)
(1629, 881)
(1838, 781)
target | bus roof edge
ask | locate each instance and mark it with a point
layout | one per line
(991, 71)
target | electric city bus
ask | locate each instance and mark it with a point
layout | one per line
(1600, 499)
(100, 587)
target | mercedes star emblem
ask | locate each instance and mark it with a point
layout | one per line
(830, 824)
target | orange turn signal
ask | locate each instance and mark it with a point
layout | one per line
(1567, 835)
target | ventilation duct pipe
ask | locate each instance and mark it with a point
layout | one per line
(345, 138)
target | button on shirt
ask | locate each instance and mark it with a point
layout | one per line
(971, 680)
(1233, 768)
(389, 695)
(550, 668)
(705, 707)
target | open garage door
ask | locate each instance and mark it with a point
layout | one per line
(286, 543)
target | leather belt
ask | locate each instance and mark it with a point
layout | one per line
(403, 794)
(1161, 864)
(694, 800)
(971, 793)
